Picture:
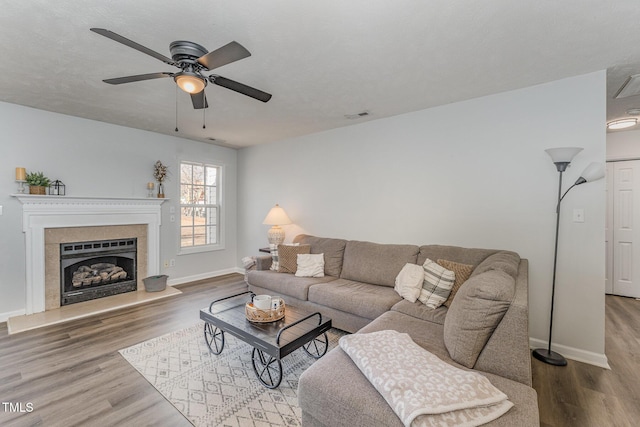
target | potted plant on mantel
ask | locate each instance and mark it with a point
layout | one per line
(37, 182)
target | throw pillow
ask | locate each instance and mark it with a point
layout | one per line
(310, 265)
(409, 281)
(462, 272)
(436, 285)
(288, 257)
(275, 259)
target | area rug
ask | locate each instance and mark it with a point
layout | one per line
(220, 390)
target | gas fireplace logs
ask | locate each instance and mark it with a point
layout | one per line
(103, 272)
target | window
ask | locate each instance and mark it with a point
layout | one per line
(199, 205)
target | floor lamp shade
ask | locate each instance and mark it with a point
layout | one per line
(276, 217)
(562, 156)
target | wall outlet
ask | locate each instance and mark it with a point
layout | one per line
(172, 262)
(166, 263)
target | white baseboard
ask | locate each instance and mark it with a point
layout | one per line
(202, 276)
(572, 353)
(5, 316)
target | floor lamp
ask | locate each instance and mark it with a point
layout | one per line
(562, 158)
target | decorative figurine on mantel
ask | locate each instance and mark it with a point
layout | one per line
(57, 188)
(160, 173)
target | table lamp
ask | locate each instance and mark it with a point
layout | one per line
(276, 217)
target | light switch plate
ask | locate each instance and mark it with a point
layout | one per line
(578, 215)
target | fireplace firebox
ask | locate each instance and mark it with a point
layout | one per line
(97, 269)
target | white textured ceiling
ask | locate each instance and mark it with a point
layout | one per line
(319, 59)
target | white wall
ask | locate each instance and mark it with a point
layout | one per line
(623, 145)
(98, 159)
(473, 174)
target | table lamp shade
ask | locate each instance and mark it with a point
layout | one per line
(276, 217)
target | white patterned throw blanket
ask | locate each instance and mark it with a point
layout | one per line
(422, 389)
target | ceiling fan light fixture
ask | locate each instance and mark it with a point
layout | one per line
(190, 82)
(622, 123)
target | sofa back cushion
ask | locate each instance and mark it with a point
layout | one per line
(333, 250)
(474, 314)
(503, 260)
(470, 256)
(375, 263)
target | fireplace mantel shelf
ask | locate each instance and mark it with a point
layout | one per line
(36, 198)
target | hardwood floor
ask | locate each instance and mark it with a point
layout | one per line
(584, 395)
(73, 375)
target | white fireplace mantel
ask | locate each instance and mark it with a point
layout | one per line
(42, 212)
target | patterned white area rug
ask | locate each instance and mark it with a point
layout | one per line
(220, 390)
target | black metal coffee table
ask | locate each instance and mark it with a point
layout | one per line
(270, 341)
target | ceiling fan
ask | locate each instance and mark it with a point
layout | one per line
(192, 59)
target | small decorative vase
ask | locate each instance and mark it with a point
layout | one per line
(160, 191)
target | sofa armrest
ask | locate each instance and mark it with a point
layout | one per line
(507, 352)
(263, 262)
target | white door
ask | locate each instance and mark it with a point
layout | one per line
(626, 228)
(608, 232)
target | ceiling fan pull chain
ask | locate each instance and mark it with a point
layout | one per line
(176, 108)
(204, 112)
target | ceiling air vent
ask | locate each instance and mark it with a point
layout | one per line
(360, 115)
(630, 87)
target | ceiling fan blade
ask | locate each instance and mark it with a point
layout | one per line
(240, 88)
(137, 78)
(125, 41)
(227, 54)
(199, 100)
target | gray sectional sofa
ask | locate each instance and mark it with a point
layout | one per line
(485, 328)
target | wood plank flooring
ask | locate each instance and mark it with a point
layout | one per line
(72, 372)
(584, 395)
(73, 375)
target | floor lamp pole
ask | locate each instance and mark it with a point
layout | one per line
(546, 355)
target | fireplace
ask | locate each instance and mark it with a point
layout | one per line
(97, 269)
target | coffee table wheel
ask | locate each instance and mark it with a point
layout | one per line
(317, 347)
(214, 338)
(268, 369)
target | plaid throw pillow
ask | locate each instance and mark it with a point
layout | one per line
(436, 285)
(275, 264)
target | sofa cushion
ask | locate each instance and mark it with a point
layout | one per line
(503, 260)
(327, 398)
(310, 265)
(462, 272)
(421, 311)
(327, 401)
(409, 281)
(288, 257)
(285, 284)
(333, 250)
(474, 314)
(376, 263)
(362, 299)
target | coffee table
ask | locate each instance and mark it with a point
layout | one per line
(270, 341)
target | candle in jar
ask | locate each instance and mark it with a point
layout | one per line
(150, 186)
(21, 174)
